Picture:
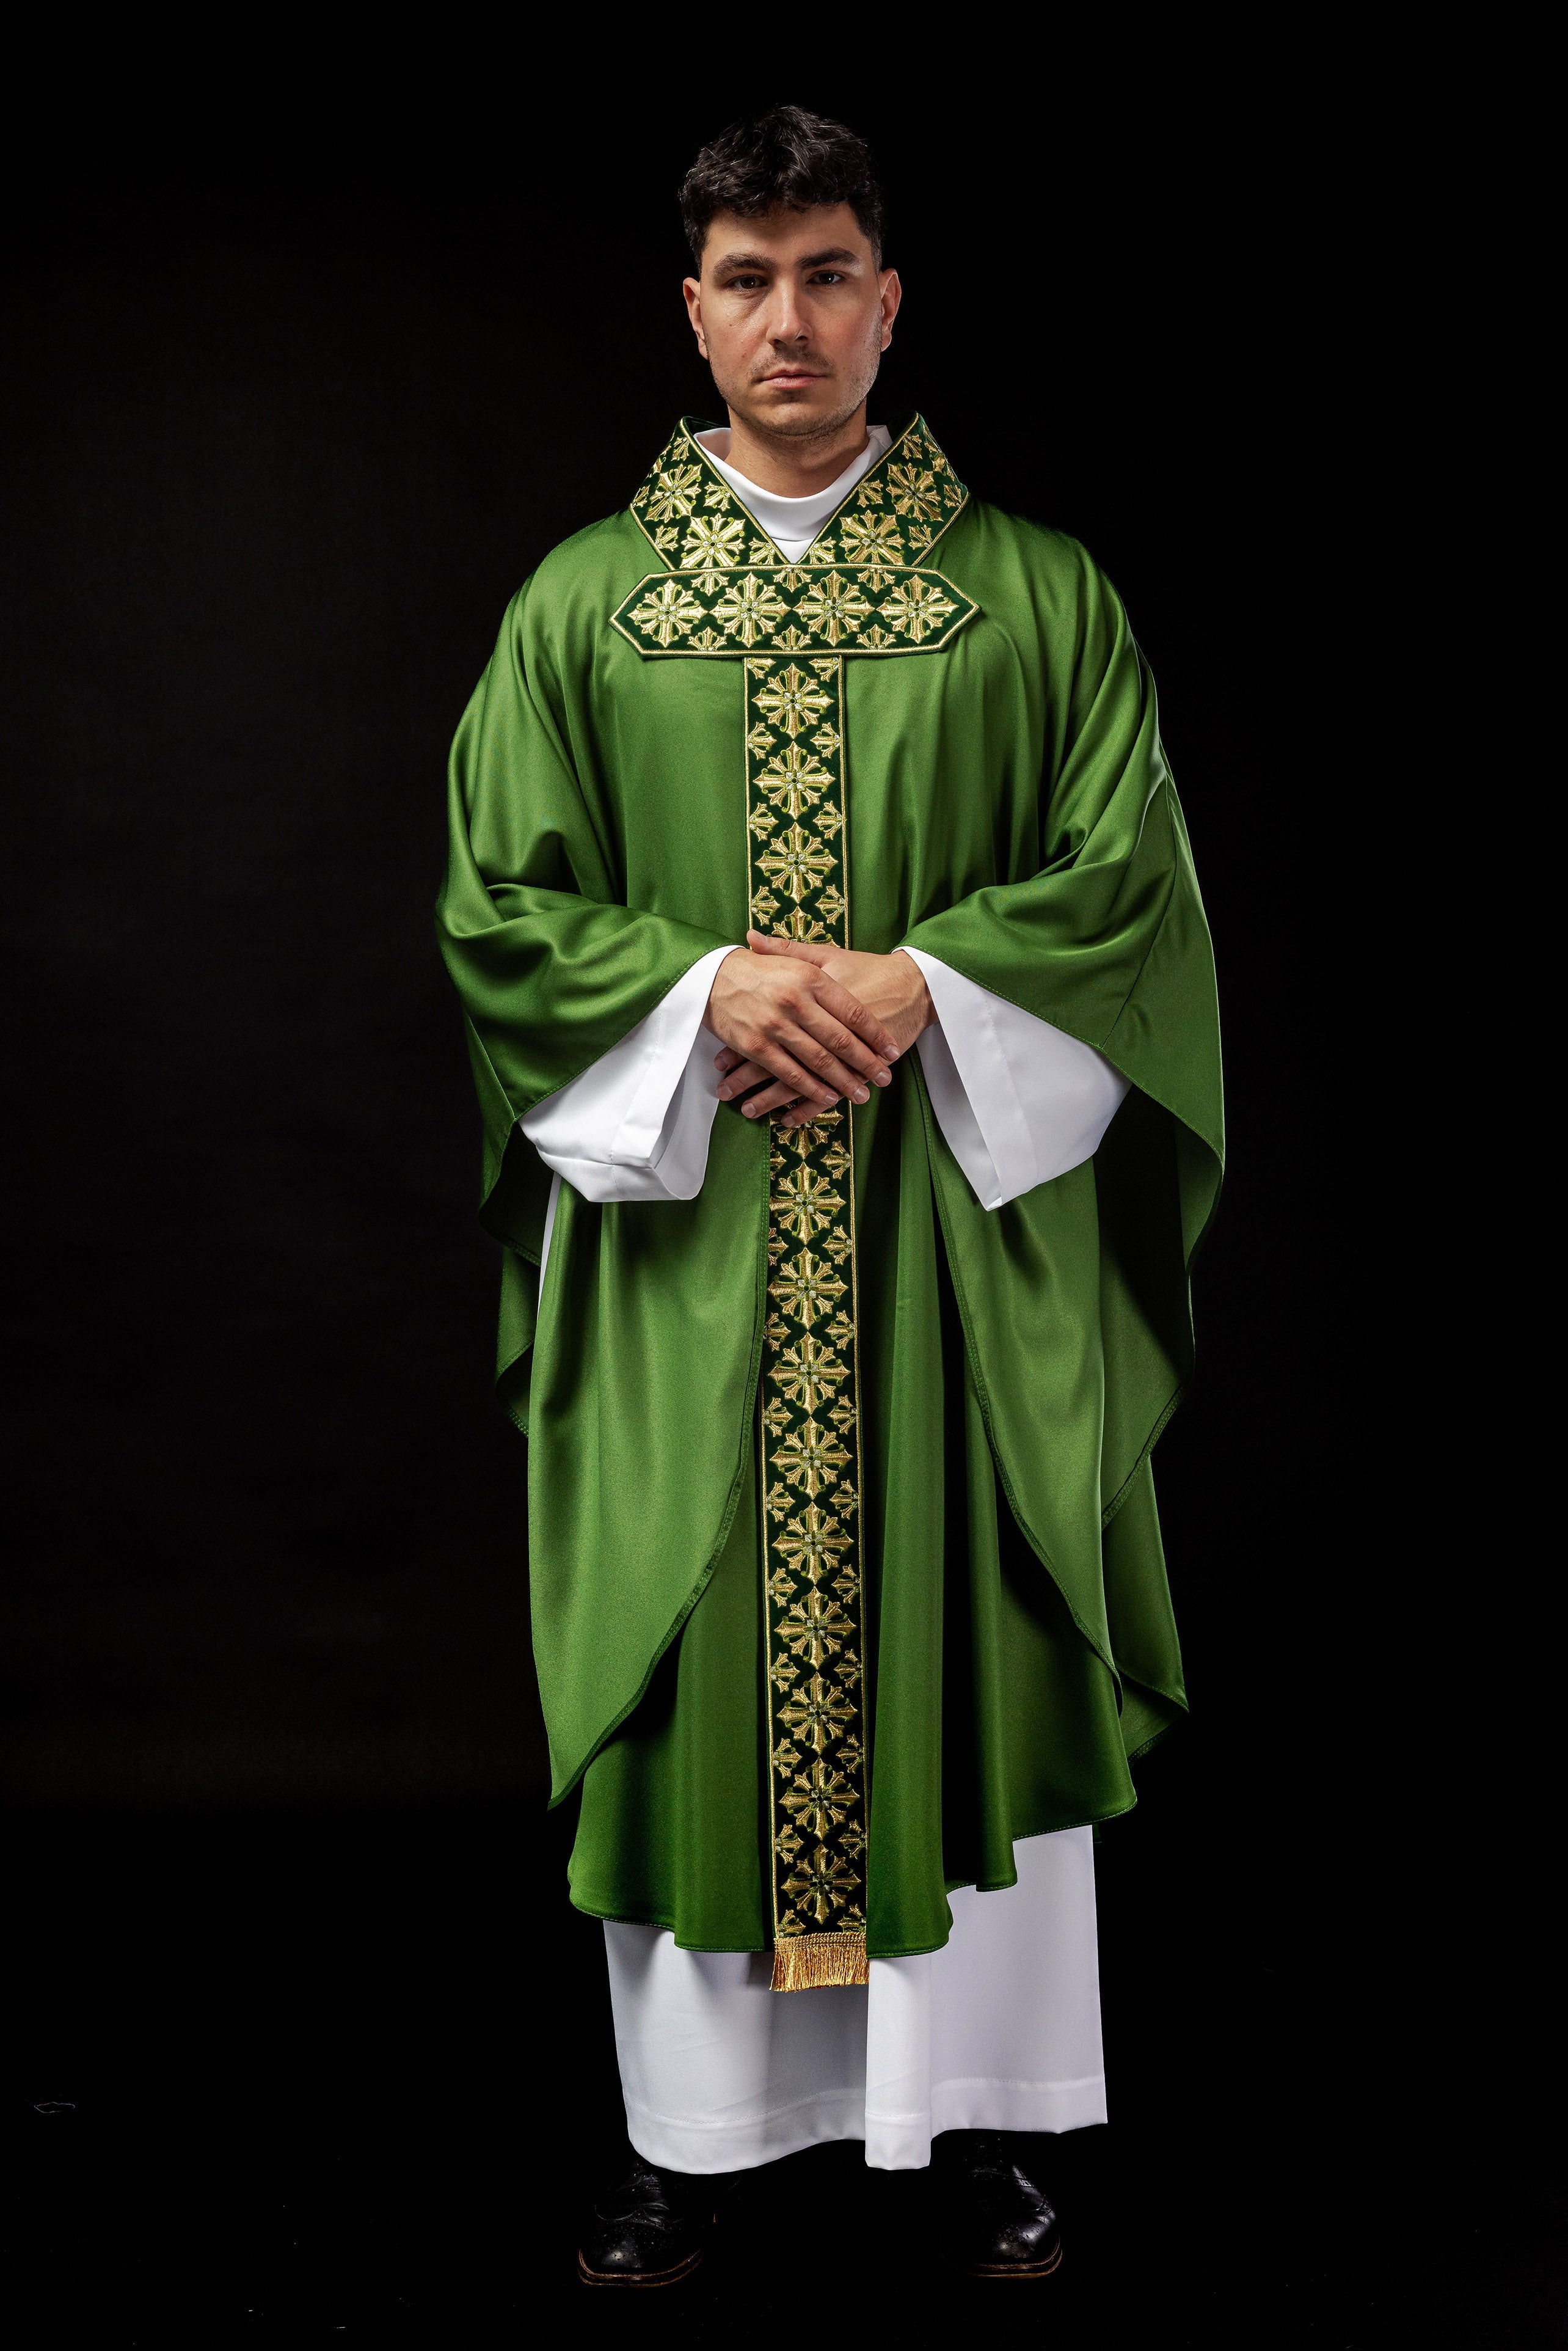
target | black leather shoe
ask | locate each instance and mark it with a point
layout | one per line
(996, 2222)
(649, 2228)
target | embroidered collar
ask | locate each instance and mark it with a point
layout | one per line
(894, 516)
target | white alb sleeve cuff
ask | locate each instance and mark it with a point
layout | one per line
(636, 1125)
(1017, 1101)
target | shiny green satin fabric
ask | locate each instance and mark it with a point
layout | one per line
(1009, 810)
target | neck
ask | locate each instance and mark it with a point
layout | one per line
(795, 466)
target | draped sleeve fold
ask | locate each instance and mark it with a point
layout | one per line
(1106, 940)
(552, 968)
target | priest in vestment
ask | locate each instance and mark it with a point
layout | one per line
(841, 1010)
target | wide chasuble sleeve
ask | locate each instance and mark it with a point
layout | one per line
(934, 729)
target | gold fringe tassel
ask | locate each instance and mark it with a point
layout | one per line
(809, 1962)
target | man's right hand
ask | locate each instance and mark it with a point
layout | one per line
(788, 1021)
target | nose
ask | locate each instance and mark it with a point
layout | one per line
(785, 322)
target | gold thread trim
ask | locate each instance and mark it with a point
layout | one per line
(816, 1962)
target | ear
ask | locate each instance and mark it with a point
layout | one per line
(892, 296)
(692, 288)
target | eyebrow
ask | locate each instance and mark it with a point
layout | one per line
(806, 260)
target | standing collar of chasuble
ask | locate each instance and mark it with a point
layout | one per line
(727, 588)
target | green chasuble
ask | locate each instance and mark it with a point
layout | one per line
(845, 1562)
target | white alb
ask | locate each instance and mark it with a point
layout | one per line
(999, 2031)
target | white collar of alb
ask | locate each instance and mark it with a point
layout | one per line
(793, 519)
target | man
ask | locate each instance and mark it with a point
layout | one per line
(841, 1364)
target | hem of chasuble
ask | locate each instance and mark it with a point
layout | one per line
(571, 1783)
(896, 1951)
(1167, 1414)
(664, 1926)
(1137, 1754)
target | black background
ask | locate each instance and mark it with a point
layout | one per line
(305, 2035)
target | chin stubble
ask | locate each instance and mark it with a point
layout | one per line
(785, 427)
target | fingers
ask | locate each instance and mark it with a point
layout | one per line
(741, 1077)
(848, 1009)
(811, 1051)
(791, 1083)
(803, 949)
(789, 1079)
(803, 1032)
(831, 993)
(782, 1096)
(838, 1056)
(771, 1059)
(791, 1111)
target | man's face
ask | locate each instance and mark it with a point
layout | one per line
(793, 315)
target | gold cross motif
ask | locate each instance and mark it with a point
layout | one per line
(814, 1543)
(805, 1202)
(794, 779)
(807, 1372)
(820, 1801)
(792, 701)
(811, 1458)
(799, 864)
(808, 1288)
(821, 1885)
(749, 608)
(819, 1715)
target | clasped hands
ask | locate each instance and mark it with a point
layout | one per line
(807, 1025)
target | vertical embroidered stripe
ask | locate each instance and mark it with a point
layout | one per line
(796, 820)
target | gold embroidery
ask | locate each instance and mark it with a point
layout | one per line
(673, 491)
(915, 492)
(747, 606)
(794, 778)
(799, 864)
(792, 701)
(835, 607)
(809, 1466)
(870, 539)
(728, 594)
(712, 546)
(917, 608)
(668, 610)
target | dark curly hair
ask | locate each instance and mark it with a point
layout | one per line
(788, 157)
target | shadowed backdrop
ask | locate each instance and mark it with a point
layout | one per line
(289, 422)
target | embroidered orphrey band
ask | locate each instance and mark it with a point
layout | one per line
(810, 1415)
(729, 592)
